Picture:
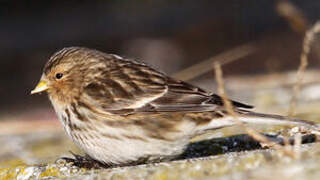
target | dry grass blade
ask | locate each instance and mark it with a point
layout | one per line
(297, 145)
(293, 15)
(254, 134)
(223, 58)
(309, 37)
(221, 91)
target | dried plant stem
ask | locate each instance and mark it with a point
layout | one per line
(293, 15)
(297, 145)
(308, 39)
(221, 91)
(224, 58)
(229, 108)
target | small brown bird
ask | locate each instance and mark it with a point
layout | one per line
(121, 111)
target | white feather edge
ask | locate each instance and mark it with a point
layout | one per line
(230, 121)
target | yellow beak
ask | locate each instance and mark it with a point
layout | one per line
(42, 86)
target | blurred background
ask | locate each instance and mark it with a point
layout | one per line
(169, 35)
(250, 38)
(259, 43)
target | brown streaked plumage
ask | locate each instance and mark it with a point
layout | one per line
(120, 111)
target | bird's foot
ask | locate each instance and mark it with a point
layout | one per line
(84, 162)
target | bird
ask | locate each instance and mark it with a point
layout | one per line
(121, 111)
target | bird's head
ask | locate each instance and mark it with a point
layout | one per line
(65, 73)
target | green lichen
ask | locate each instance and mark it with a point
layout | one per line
(50, 172)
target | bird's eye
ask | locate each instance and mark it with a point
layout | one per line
(59, 75)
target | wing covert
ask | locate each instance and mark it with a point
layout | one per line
(132, 87)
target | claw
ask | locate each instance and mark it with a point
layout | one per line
(84, 161)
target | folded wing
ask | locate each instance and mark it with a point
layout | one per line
(132, 87)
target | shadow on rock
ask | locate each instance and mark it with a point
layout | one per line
(235, 143)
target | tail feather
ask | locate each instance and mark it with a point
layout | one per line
(257, 118)
(275, 119)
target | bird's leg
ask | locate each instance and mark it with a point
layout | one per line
(89, 163)
(84, 162)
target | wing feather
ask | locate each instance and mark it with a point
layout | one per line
(132, 87)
